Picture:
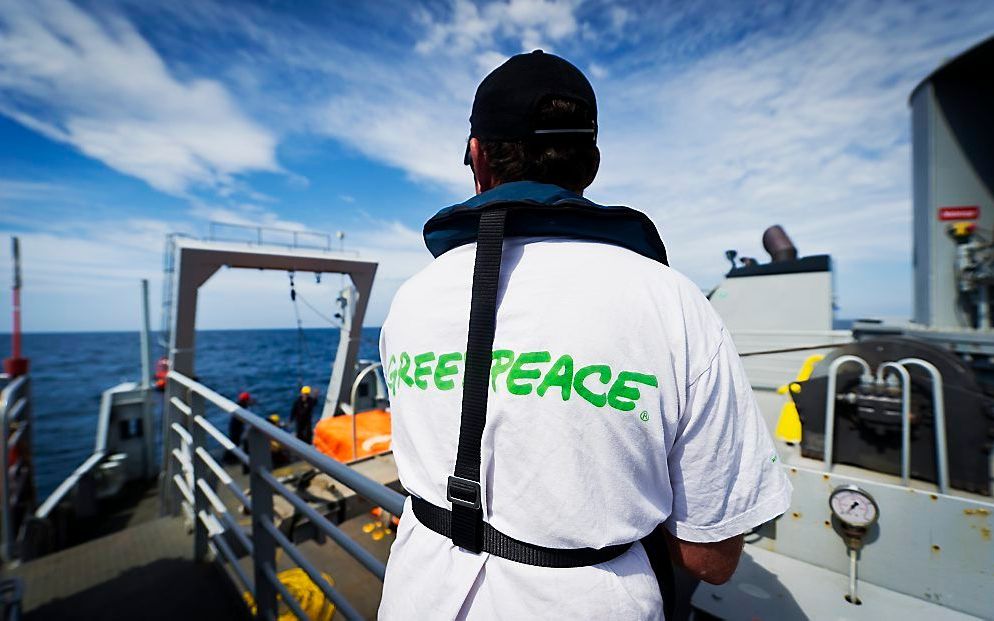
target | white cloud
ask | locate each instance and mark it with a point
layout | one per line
(533, 23)
(96, 83)
(805, 124)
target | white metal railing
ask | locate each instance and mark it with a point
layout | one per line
(15, 408)
(194, 475)
(91, 462)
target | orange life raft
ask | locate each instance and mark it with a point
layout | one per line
(333, 436)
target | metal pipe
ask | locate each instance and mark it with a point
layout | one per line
(229, 556)
(983, 309)
(379, 494)
(146, 349)
(16, 392)
(179, 405)
(852, 597)
(288, 598)
(223, 476)
(939, 416)
(344, 606)
(905, 416)
(357, 552)
(352, 400)
(183, 489)
(833, 371)
(15, 335)
(182, 433)
(222, 439)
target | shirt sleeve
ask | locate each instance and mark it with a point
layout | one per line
(724, 470)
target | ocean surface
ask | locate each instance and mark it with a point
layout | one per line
(69, 371)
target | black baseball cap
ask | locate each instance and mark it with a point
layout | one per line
(507, 101)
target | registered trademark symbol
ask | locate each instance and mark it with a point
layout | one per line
(644, 416)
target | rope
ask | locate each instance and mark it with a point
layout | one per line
(331, 321)
(791, 349)
(301, 341)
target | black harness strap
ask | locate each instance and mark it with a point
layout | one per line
(464, 523)
(504, 546)
(463, 489)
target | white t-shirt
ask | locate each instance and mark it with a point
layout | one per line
(617, 403)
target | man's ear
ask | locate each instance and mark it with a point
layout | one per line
(482, 174)
(593, 169)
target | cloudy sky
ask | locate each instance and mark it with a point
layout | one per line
(121, 121)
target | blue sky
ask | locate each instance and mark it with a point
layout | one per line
(124, 120)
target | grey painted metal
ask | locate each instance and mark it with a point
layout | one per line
(264, 546)
(352, 404)
(146, 331)
(939, 418)
(905, 414)
(200, 472)
(948, 171)
(222, 439)
(930, 546)
(200, 499)
(232, 560)
(183, 489)
(223, 476)
(830, 397)
(776, 587)
(195, 262)
(367, 560)
(14, 408)
(67, 485)
(344, 606)
(343, 368)
(853, 597)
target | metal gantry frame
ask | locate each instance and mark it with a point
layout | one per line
(196, 261)
(214, 526)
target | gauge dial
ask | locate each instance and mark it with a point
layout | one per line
(853, 507)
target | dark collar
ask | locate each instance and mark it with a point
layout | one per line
(544, 210)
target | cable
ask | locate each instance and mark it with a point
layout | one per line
(791, 349)
(331, 321)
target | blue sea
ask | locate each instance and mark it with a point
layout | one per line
(69, 371)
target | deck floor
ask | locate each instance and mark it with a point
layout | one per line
(137, 565)
(143, 572)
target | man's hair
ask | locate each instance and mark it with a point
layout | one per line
(564, 161)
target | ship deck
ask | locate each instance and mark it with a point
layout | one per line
(132, 564)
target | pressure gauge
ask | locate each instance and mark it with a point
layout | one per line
(853, 507)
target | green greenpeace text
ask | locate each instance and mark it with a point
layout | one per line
(537, 372)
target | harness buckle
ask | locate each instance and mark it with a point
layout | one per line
(463, 492)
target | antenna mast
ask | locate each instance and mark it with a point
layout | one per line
(16, 365)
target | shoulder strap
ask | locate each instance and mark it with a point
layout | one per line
(463, 489)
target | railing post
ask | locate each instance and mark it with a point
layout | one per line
(200, 473)
(168, 504)
(264, 548)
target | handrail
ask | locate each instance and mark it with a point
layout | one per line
(905, 415)
(833, 372)
(939, 418)
(214, 527)
(382, 496)
(68, 484)
(352, 397)
(14, 400)
(99, 452)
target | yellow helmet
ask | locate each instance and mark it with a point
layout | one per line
(306, 390)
